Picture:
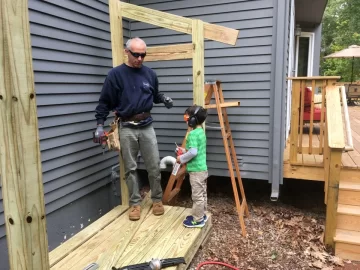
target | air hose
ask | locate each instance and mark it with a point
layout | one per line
(218, 263)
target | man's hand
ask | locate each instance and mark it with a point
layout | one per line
(98, 133)
(168, 102)
(178, 159)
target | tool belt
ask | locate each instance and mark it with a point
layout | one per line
(136, 117)
(113, 141)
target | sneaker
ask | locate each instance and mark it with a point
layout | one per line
(134, 212)
(205, 218)
(158, 208)
(191, 223)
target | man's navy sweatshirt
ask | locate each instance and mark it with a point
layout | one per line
(128, 91)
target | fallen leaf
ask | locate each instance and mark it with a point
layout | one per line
(318, 264)
(307, 251)
(321, 237)
(337, 261)
(319, 255)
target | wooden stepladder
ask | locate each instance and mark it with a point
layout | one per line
(214, 88)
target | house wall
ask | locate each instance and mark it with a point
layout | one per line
(71, 52)
(244, 69)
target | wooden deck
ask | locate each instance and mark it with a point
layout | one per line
(312, 168)
(114, 240)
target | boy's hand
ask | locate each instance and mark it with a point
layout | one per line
(180, 151)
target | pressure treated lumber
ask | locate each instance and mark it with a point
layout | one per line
(198, 62)
(315, 78)
(178, 23)
(123, 242)
(166, 53)
(20, 166)
(106, 245)
(348, 217)
(81, 237)
(332, 195)
(117, 49)
(334, 118)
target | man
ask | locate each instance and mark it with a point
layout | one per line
(130, 90)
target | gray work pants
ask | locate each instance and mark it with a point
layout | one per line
(131, 141)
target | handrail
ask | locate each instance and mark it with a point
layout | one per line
(335, 134)
(316, 78)
(334, 146)
(349, 145)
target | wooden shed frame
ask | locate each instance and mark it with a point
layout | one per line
(20, 167)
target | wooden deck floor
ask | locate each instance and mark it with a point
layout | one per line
(114, 240)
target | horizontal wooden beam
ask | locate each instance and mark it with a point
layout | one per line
(170, 52)
(315, 78)
(334, 118)
(223, 105)
(181, 24)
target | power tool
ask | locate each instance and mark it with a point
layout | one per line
(102, 140)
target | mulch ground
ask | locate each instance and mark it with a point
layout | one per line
(286, 234)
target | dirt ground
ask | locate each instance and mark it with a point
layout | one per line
(281, 235)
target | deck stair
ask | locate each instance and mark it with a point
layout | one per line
(347, 237)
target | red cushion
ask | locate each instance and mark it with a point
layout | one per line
(307, 100)
(317, 115)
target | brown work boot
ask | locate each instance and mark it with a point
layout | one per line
(134, 212)
(158, 208)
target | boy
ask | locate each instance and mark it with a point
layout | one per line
(195, 158)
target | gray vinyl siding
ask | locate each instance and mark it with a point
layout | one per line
(71, 51)
(245, 72)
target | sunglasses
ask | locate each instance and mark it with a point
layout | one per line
(136, 55)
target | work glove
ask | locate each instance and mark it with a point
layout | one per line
(98, 133)
(168, 102)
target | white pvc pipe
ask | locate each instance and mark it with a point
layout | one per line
(168, 160)
(349, 146)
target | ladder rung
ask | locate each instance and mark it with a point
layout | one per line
(213, 126)
(223, 105)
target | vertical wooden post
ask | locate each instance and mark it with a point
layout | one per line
(336, 143)
(198, 62)
(332, 195)
(117, 47)
(294, 130)
(21, 170)
(311, 115)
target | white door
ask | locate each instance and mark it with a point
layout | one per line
(290, 68)
(304, 54)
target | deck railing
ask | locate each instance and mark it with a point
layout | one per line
(310, 109)
(327, 108)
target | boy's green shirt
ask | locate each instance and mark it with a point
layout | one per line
(197, 139)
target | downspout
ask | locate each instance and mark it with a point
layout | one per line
(277, 129)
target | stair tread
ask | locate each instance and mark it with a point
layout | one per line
(353, 210)
(346, 236)
(348, 185)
